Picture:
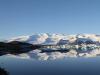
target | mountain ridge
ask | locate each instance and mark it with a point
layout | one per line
(48, 39)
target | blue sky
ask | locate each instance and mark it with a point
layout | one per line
(25, 17)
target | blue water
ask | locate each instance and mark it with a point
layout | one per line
(68, 66)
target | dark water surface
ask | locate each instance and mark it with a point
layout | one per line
(68, 66)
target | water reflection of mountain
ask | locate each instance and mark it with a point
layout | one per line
(46, 52)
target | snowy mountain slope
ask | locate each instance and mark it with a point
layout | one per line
(37, 38)
(56, 38)
(19, 38)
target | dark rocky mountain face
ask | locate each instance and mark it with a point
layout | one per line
(84, 41)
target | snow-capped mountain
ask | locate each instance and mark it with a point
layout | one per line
(56, 38)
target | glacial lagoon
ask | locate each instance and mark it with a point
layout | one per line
(35, 65)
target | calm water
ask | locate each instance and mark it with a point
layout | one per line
(68, 66)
